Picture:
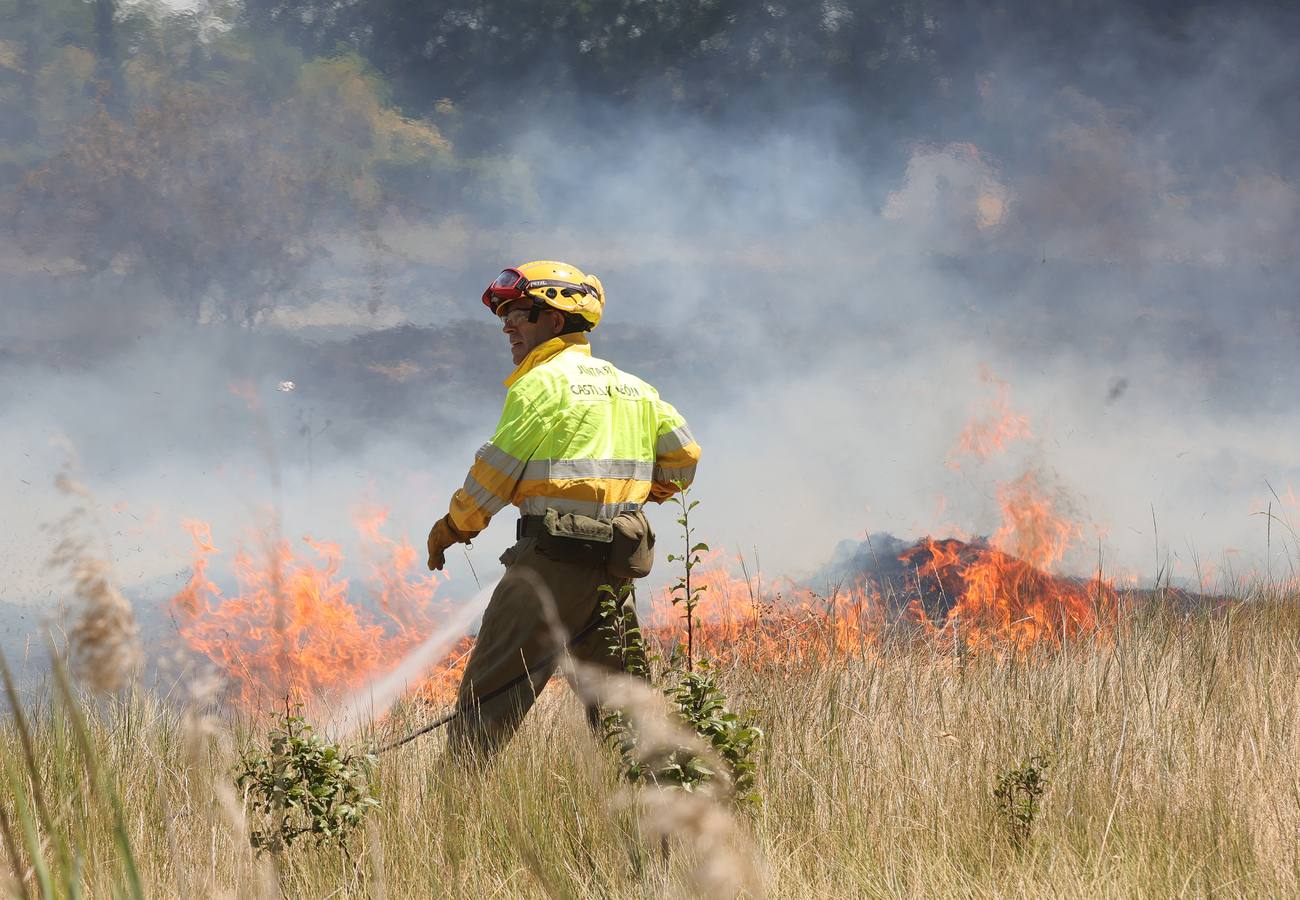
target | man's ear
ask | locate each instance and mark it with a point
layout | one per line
(557, 321)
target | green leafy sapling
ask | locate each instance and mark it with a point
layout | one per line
(690, 686)
(302, 785)
(685, 593)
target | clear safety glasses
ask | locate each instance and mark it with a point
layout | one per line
(517, 317)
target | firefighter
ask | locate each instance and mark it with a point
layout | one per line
(580, 447)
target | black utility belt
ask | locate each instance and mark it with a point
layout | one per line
(529, 526)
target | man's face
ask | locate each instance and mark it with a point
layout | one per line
(525, 335)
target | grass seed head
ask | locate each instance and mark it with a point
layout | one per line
(104, 640)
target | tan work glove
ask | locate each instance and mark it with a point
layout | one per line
(444, 535)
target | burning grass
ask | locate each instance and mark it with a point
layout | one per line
(294, 628)
(1174, 739)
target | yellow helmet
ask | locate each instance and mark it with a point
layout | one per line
(556, 284)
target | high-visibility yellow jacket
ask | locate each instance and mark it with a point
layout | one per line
(577, 435)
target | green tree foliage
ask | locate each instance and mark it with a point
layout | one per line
(32, 42)
(203, 178)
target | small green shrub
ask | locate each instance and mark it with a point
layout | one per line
(304, 785)
(733, 736)
(1018, 795)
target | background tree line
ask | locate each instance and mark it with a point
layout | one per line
(887, 57)
(209, 148)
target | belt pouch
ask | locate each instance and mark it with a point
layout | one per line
(632, 551)
(574, 538)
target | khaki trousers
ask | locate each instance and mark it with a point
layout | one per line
(516, 640)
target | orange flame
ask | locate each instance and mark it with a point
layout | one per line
(291, 628)
(737, 620)
(981, 597)
(990, 434)
(1000, 601)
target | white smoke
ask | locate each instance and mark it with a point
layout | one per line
(820, 313)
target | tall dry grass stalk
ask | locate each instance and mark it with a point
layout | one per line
(208, 746)
(103, 640)
(1176, 747)
(701, 824)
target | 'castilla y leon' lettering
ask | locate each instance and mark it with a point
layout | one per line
(579, 448)
(604, 390)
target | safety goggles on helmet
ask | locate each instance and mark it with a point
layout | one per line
(511, 284)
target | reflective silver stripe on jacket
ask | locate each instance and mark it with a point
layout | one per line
(555, 469)
(500, 460)
(489, 502)
(676, 439)
(536, 506)
(675, 473)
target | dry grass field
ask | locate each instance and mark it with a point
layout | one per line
(1170, 748)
